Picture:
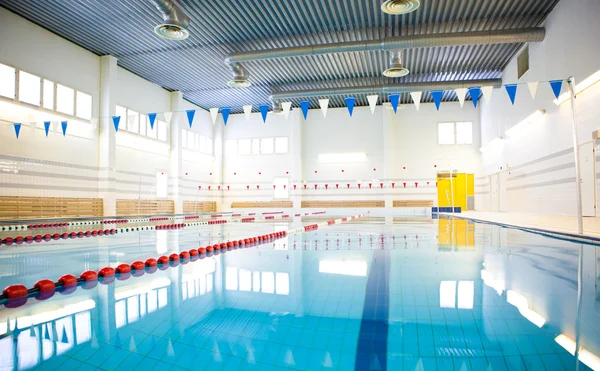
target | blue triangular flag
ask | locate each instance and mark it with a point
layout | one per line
(152, 117)
(512, 92)
(116, 120)
(350, 104)
(190, 115)
(394, 98)
(64, 127)
(225, 112)
(475, 93)
(437, 98)
(46, 127)
(17, 129)
(304, 106)
(556, 87)
(264, 109)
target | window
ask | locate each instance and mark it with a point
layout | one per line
(162, 184)
(230, 147)
(266, 146)
(281, 145)
(446, 133)
(133, 121)
(183, 138)
(255, 146)
(280, 188)
(464, 133)
(244, 146)
(48, 94)
(84, 106)
(29, 88)
(202, 143)
(65, 99)
(162, 130)
(143, 119)
(191, 142)
(209, 146)
(7, 81)
(455, 133)
(122, 113)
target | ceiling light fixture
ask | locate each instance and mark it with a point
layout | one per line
(396, 69)
(175, 21)
(399, 7)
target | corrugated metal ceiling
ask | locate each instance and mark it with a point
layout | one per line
(124, 28)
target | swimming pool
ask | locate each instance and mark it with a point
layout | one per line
(423, 294)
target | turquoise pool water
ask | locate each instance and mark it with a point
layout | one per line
(412, 295)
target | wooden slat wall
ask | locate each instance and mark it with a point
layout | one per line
(49, 207)
(191, 207)
(261, 204)
(413, 203)
(145, 207)
(332, 204)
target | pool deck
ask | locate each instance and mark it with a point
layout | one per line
(556, 223)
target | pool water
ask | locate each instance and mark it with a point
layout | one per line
(443, 294)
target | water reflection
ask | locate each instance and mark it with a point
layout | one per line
(508, 301)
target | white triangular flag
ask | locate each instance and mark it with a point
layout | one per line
(461, 93)
(214, 112)
(33, 126)
(132, 346)
(286, 108)
(327, 361)
(170, 350)
(416, 97)
(168, 116)
(247, 112)
(372, 102)
(533, 88)
(324, 103)
(289, 358)
(487, 93)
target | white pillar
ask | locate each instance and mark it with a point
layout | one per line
(217, 177)
(107, 136)
(175, 153)
(295, 148)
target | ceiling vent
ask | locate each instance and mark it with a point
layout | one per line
(175, 21)
(240, 76)
(396, 69)
(398, 7)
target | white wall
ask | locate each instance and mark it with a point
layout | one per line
(538, 161)
(400, 148)
(67, 166)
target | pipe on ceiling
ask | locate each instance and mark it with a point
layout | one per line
(172, 13)
(386, 89)
(399, 42)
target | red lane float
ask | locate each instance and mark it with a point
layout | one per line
(44, 285)
(123, 268)
(106, 272)
(15, 291)
(163, 260)
(174, 257)
(184, 255)
(202, 251)
(67, 280)
(137, 266)
(88, 276)
(151, 262)
(193, 252)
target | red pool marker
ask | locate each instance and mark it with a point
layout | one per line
(44, 285)
(174, 257)
(151, 262)
(137, 266)
(123, 268)
(15, 291)
(68, 280)
(106, 272)
(89, 276)
(163, 260)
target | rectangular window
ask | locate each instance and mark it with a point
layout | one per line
(65, 99)
(202, 143)
(230, 147)
(209, 146)
(244, 146)
(183, 138)
(29, 88)
(48, 97)
(143, 123)
(280, 188)
(255, 146)
(266, 146)
(84, 106)
(151, 132)
(445, 133)
(464, 133)
(7, 81)
(191, 140)
(162, 130)
(281, 145)
(122, 113)
(133, 121)
(162, 184)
